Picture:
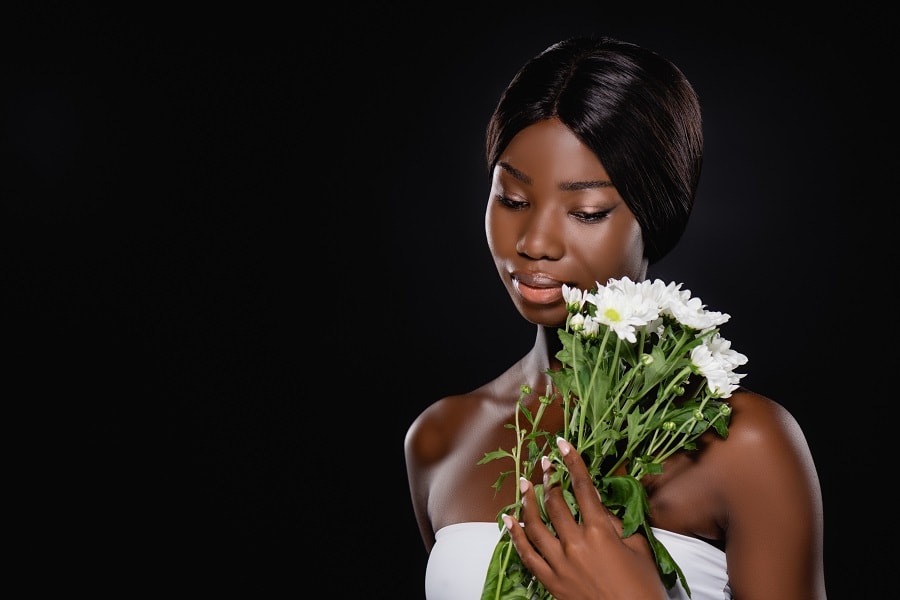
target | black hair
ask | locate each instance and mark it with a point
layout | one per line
(633, 108)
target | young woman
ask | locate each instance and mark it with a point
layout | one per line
(595, 152)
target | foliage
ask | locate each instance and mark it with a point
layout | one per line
(644, 373)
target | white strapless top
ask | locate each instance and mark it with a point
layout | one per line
(459, 560)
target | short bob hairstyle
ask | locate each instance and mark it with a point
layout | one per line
(633, 108)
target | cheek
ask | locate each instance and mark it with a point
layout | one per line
(497, 233)
(636, 264)
(614, 252)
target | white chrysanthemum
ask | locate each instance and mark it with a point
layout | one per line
(576, 323)
(716, 361)
(691, 312)
(660, 291)
(643, 295)
(721, 348)
(657, 326)
(591, 327)
(591, 297)
(667, 294)
(622, 308)
(646, 287)
(574, 298)
(625, 284)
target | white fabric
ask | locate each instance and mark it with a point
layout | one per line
(459, 560)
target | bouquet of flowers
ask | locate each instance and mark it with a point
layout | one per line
(644, 373)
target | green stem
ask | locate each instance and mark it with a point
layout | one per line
(506, 555)
(585, 397)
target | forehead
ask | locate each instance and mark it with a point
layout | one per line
(549, 150)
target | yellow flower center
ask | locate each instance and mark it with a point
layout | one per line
(613, 315)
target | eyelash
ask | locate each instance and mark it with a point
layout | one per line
(584, 217)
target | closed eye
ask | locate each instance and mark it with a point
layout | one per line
(509, 202)
(591, 217)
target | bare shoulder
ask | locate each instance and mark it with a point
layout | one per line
(771, 491)
(432, 435)
(769, 476)
(763, 427)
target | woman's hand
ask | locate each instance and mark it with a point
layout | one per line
(587, 561)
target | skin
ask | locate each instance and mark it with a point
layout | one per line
(554, 217)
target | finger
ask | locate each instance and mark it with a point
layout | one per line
(586, 493)
(558, 511)
(537, 532)
(531, 556)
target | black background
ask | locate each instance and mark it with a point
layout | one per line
(244, 250)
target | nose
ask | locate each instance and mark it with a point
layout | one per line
(541, 236)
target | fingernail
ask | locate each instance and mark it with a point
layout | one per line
(545, 463)
(563, 446)
(523, 484)
(507, 521)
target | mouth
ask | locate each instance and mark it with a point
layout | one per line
(537, 288)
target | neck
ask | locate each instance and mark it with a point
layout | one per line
(532, 368)
(543, 354)
(540, 359)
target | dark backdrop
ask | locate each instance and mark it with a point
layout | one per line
(243, 251)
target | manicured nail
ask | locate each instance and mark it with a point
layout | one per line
(563, 446)
(523, 484)
(507, 521)
(545, 463)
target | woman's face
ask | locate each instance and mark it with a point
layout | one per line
(554, 217)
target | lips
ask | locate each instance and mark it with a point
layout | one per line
(537, 288)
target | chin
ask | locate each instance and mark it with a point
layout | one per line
(547, 316)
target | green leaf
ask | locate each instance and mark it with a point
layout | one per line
(668, 569)
(500, 479)
(506, 575)
(655, 371)
(527, 413)
(599, 398)
(626, 492)
(489, 456)
(721, 427)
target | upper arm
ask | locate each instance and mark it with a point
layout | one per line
(423, 446)
(774, 516)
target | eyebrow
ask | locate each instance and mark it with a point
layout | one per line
(568, 186)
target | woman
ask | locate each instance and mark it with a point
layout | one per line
(595, 152)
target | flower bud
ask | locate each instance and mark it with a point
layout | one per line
(577, 322)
